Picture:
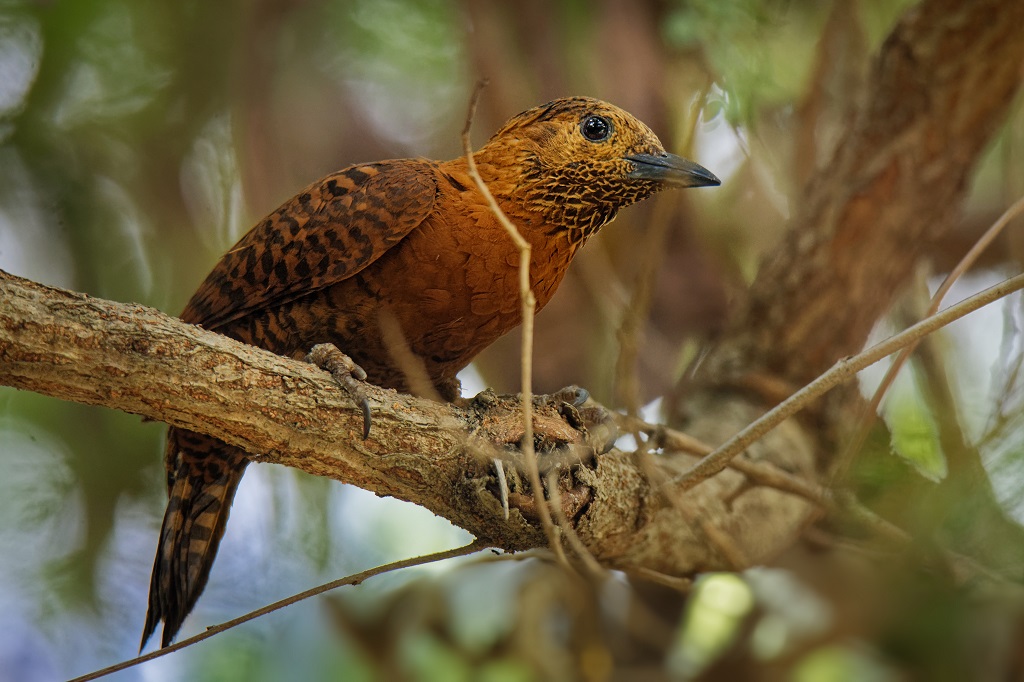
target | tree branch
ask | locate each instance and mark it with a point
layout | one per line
(132, 358)
(940, 86)
(939, 89)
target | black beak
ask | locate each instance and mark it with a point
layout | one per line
(670, 170)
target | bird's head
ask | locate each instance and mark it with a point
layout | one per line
(577, 160)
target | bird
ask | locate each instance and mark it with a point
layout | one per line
(408, 245)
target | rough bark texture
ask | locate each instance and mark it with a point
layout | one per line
(135, 359)
(940, 87)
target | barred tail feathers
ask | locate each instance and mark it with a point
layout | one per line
(202, 482)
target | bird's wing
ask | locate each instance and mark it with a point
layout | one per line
(323, 235)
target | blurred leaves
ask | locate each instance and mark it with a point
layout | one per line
(391, 51)
(719, 604)
(483, 620)
(139, 140)
(114, 73)
(914, 431)
(20, 50)
(750, 46)
(211, 185)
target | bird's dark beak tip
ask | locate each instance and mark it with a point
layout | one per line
(671, 170)
(710, 180)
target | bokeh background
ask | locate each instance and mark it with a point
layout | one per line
(138, 141)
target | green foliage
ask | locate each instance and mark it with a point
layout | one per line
(139, 139)
(913, 427)
(713, 620)
(391, 51)
(751, 45)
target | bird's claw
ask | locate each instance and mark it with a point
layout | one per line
(593, 420)
(570, 395)
(346, 373)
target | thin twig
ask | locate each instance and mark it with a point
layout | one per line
(871, 409)
(764, 474)
(837, 504)
(499, 468)
(964, 567)
(837, 374)
(683, 585)
(636, 311)
(768, 475)
(353, 579)
(529, 303)
(594, 568)
(724, 543)
(537, 553)
(410, 364)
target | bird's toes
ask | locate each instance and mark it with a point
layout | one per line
(595, 421)
(601, 427)
(573, 395)
(346, 373)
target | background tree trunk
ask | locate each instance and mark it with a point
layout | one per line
(124, 166)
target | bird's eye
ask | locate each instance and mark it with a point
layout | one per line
(596, 128)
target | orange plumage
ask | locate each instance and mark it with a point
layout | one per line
(412, 240)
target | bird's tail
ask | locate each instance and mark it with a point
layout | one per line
(203, 474)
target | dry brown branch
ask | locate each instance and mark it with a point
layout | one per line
(842, 371)
(965, 263)
(354, 579)
(633, 315)
(138, 360)
(529, 307)
(412, 367)
(941, 85)
(759, 473)
(594, 569)
(683, 585)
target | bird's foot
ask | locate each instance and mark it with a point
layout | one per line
(593, 420)
(576, 396)
(563, 421)
(346, 373)
(570, 432)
